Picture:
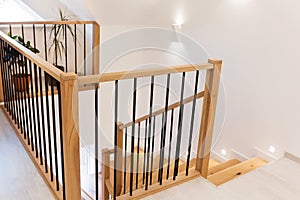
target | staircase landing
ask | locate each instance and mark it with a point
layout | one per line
(278, 180)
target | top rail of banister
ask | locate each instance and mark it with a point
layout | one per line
(35, 59)
(48, 22)
(108, 77)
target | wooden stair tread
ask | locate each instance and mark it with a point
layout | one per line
(222, 166)
(235, 171)
(213, 162)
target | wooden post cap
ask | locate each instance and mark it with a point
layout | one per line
(215, 61)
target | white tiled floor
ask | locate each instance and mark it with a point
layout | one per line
(19, 180)
(277, 181)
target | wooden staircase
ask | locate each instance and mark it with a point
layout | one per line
(229, 170)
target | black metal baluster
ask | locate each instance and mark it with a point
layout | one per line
(75, 42)
(152, 153)
(138, 156)
(145, 149)
(84, 48)
(25, 87)
(161, 167)
(179, 135)
(66, 48)
(48, 126)
(150, 122)
(30, 122)
(133, 134)
(2, 74)
(54, 131)
(34, 145)
(43, 119)
(15, 91)
(116, 136)
(96, 143)
(55, 47)
(61, 141)
(38, 125)
(9, 84)
(45, 43)
(13, 96)
(170, 143)
(125, 161)
(192, 123)
(161, 144)
(24, 77)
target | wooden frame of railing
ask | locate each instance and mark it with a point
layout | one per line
(210, 94)
(69, 84)
(69, 122)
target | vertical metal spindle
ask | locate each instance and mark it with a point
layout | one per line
(150, 122)
(163, 138)
(45, 42)
(61, 142)
(179, 135)
(170, 143)
(30, 122)
(152, 152)
(15, 91)
(133, 134)
(24, 107)
(55, 47)
(125, 160)
(145, 149)
(38, 125)
(116, 137)
(34, 145)
(96, 142)
(9, 84)
(66, 48)
(138, 156)
(75, 42)
(3, 75)
(54, 131)
(84, 48)
(192, 123)
(48, 127)
(12, 95)
(43, 119)
(161, 144)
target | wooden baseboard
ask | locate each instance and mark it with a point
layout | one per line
(46, 176)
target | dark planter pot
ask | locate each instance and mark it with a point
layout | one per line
(54, 81)
(21, 82)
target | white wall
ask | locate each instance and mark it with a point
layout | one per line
(258, 41)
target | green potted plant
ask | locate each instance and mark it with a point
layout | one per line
(21, 79)
(57, 41)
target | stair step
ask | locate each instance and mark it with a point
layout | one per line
(235, 171)
(222, 166)
(213, 162)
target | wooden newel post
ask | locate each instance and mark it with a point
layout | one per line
(69, 106)
(208, 116)
(120, 159)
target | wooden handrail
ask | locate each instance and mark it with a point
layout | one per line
(107, 77)
(48, 22)
(35, 59)
(160, 111)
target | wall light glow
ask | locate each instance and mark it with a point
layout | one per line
(223, 152)
(179, 18)
(239, 2)
(272, 149)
